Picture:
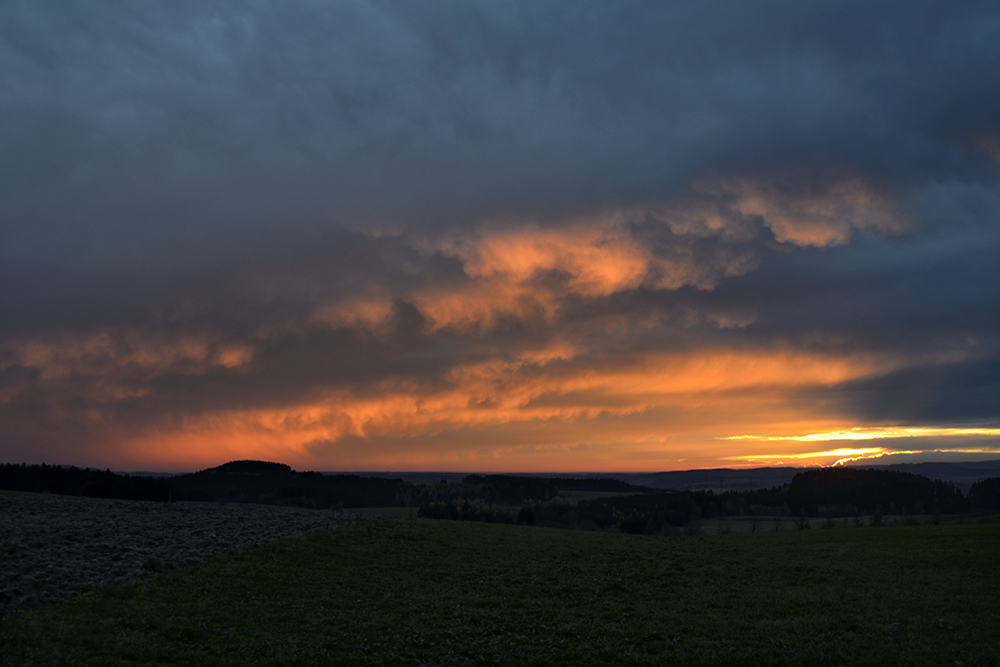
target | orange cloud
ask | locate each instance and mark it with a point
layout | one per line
(536, 401)
(532, 401)
(116, 365)
(822, 217)
(598, 259)
(527, 271)
(127, 351)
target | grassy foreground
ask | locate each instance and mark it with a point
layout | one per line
(416, 592)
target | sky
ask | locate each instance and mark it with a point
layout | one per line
(499, 236)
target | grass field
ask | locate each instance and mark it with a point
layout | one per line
(397, 512)
(726, 525)
(419, 592)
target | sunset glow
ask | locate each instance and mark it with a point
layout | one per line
(478, 241)
(877, 434)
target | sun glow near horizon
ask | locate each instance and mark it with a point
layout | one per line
(848, 454)
(876, 433)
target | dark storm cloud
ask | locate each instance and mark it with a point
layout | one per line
(965, 393)
(877, 293)
(142, 125)
(210, 206)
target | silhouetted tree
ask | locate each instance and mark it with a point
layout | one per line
(985, 494)
(877, 520)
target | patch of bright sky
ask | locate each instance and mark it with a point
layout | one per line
(847, 454)
(873, 434)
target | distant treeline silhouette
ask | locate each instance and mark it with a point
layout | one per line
(263, 482)
(985, 494)
(73, 481)
(825, 492)
(519, 489)
(275, 483)
(846, 491)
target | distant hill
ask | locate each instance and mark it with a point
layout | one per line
(683, 498)
(267, 483)
(719, 480)
(275, 483)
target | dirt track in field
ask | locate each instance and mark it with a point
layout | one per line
(53, 547)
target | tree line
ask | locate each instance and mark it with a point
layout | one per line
(824, 492)
(263, 482)
(73, 481)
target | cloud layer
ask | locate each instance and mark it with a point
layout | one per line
(492, 237)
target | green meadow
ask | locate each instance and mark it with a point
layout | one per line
(397, 512)
(422, 592)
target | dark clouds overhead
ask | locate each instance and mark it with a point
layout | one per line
(409, 220)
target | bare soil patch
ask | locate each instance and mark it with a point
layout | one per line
(53, 547)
